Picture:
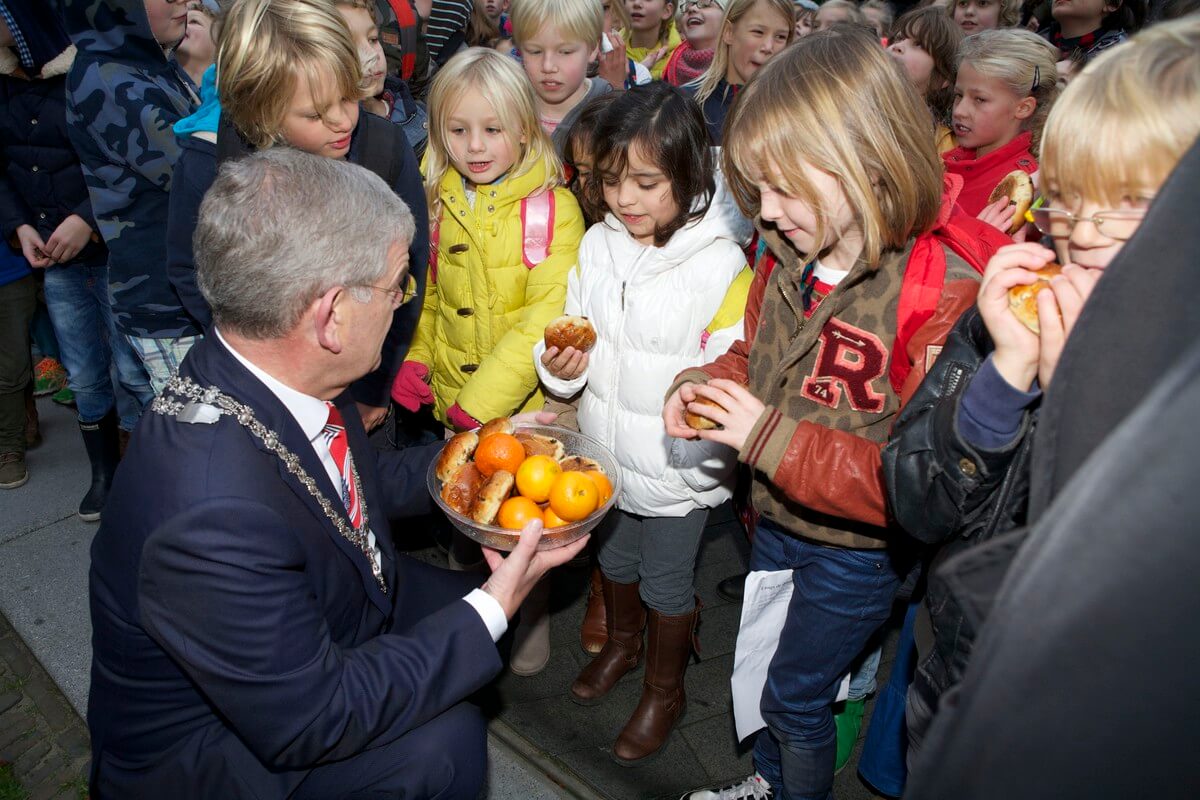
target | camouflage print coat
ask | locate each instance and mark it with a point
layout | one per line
(123, 97)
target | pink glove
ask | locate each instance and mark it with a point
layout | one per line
(411, 389)
(461, 420)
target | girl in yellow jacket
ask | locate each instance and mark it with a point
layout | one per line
(505, 234)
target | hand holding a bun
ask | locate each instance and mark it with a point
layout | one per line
(727, 404)
(566, 364)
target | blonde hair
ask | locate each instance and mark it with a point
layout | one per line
(1023, 61)
(707, 83)
(575, 20)
(504, 84)
(618, 9)
(861, 122)
(664, 27)
(266, 47)
(365, 5)
(854, 13)
(1122, 125)
(889, 15)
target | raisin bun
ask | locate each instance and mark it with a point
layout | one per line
(568, 331)
(458, 451)
(1017, 186)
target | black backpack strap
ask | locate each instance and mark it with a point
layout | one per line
(380, 138)
(229, 142)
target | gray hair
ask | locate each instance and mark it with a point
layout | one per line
(279, 228)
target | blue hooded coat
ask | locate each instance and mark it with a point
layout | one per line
(124, 96)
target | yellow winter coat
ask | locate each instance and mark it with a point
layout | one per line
(486, 310)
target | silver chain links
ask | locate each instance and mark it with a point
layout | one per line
(224, 404)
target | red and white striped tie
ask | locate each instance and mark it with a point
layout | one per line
(335, 433)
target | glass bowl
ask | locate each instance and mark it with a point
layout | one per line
(575, 444)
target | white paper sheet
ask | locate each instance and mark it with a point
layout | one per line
(764, 609)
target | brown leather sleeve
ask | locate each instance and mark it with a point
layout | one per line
(926, 344)
(830, 471)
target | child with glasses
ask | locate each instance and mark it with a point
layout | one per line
(700, 25)
(957, 465)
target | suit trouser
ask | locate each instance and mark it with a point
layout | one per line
(446, 758)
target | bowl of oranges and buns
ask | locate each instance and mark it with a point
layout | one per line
(491, 481)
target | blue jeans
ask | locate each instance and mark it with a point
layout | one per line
(840, 598)
(97, 359)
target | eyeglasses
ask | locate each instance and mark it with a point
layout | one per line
(1119, 224)
(399, 297)
(699, 4)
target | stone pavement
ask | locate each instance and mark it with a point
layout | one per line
(541, 745)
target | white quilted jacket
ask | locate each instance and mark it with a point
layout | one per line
(650, 307)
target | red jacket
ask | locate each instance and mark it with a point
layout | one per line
(982, 175)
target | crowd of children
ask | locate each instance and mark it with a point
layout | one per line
(779, 207)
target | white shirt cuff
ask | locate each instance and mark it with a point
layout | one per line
(489, 611)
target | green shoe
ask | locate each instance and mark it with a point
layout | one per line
(64, 397)
(48, 377)
(849, 723)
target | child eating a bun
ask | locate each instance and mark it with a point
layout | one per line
(957, 465)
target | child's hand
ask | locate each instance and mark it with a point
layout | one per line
(32, 247)
(998, 214)
(566, 365)
(1017, 347)
(653, 57)
(673, 412)
(1068, 294)
(741, 411)
(612, 67)
(71, 236)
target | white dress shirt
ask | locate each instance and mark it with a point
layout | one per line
(311, 414)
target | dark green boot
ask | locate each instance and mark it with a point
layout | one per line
(849, 723)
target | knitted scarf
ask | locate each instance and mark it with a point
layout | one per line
(686, 64)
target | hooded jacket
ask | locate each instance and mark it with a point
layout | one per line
(123, 97)
(484, 307)
(650, 307)
(41, 183)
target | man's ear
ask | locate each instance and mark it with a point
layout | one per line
(1025, 108)
(327, 318)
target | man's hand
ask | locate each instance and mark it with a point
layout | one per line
(566, 365)
(372, 416)
(741, 410)
(514, 575)
(71, 236)
(612, 65)
(32, 247)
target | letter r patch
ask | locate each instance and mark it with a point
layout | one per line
(849, 360)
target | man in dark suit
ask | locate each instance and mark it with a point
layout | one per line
(255, 633)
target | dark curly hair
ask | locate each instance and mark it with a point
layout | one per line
(668, 129)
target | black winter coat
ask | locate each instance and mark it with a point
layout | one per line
(945, 492)
(42, 183)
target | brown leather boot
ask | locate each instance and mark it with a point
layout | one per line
(669, 646)
(625, 620)
(594, 632)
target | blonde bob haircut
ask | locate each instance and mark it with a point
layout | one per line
(498, 78)
(1139, 105)
(836, 101)
(1010, 11)
(712, 77)
(266, 47)
(1021, 60)
(575, 20)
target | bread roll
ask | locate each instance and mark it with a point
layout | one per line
(536, 444)
(698, 422)
(497, 425)
(460, 491)
(1017, 186)
(568, 331)
(1022, 300)
(580, 464)
(491, 495)
(458, 451)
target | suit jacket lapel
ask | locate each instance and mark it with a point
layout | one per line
(216, 366)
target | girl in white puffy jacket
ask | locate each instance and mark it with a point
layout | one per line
(651, 277)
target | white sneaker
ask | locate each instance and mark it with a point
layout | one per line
(753, 788)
